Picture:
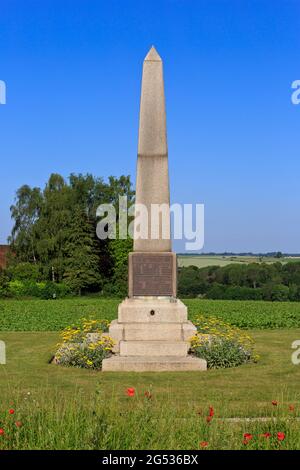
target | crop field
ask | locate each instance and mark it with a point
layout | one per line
(54, 315)
(218, 260)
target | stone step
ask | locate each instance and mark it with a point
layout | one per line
(150, 332)
(152, 310)
(154, 364)
(153, 332)
(154, 348)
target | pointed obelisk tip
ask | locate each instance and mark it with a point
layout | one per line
(152, 55)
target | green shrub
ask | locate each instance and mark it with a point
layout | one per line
(216, 291)
(25, 272)
(243, 293)
(3, 292)
(114, 290)
(220, 344)
(85, 345)
(294, 293)
(221, 291)
(190, 283)
(53, 290)
(275, 292)
(43, 290)
(17, 288)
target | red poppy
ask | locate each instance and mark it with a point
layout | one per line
(266, 435)
(291, 408)
(211, 411)
(208, 419)
(18, 424)
(11, 411)
(203, 444)
(274, 403)
(130, 392)
(247, 437)
(280, 436)
(2, 432)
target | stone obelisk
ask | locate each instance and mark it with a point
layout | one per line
(152, 330)
(152, 181)
(152, 265)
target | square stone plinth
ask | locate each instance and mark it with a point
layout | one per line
(152, 334)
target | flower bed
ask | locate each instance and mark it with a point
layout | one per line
(84, 345)
(220, 344)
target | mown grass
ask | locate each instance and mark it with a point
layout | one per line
(246, 390)
(53, 315)
(68, 408)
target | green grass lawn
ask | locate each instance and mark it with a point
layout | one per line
(68, 408)
(243, 391)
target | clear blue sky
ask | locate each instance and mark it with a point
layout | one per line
(73, 71)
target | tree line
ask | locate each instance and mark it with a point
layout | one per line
(255, 281)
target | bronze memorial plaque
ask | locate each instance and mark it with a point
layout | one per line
(152, 274)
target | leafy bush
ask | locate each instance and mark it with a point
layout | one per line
(17, 288)
(85, 345)
(220, 344)
(219, 291)
(190, 283)
(276, 292)
(43, 290)
(114, 290)
(53, 290)
(24, 272)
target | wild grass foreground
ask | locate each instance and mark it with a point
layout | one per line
(138, 422)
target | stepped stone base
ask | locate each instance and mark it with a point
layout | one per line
(152, 334)
(154, 364)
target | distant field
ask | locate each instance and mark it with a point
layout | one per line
(204, 261)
